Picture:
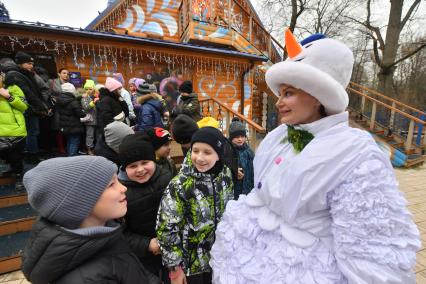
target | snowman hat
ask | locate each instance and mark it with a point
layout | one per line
(322, 67)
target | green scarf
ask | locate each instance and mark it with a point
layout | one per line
(299, 138)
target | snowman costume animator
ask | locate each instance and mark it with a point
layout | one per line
(332, 213)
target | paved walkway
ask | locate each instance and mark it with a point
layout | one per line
(412, 182)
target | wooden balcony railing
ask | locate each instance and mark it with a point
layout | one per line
(386, 113)
(235, 15)
(224, 114)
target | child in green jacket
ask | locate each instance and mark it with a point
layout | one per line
(191, 208)
(12, 128)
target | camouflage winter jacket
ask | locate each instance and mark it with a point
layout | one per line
(190, 209)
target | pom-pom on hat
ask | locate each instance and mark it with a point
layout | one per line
(183, 128)
(186, 87)
(68, 88)
(22, 57)
(136, 147)
(65, 190)
(322, 68)
(159, 137)
(112, 84)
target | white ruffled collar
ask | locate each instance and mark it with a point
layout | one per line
(324, 123)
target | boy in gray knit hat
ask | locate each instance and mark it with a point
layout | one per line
(75, 239)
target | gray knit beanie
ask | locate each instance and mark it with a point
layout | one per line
(115, 133)
(65, 190)
(236, 128)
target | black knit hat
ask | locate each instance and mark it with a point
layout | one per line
(236, 128)
(211, 136)
(22, 57)
(135, 147)
(186, 87)
(159, 137)
(183, 128)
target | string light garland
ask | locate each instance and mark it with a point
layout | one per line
(108, 57)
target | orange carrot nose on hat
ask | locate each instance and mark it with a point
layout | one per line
(292, 46)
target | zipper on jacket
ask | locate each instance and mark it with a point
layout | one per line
(214, 202)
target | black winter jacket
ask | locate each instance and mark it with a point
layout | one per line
(143, 201)
(54, 255)
(70, 111)
(109, 106)
(24, 79)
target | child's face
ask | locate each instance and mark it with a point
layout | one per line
(90, 91)
(132, 88)
(239, 140)
(140, 171)
(112, 204)
(203, 156)
(163, 151)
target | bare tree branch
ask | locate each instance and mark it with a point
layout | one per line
(408, 55)
(409, 12)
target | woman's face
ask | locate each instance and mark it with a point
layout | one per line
(203, 156)
(140, 171)
(296, 106)
(112, 204)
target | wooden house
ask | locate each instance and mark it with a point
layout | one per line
(218, 44)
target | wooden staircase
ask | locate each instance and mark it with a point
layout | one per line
(398, 129)
(16, 220)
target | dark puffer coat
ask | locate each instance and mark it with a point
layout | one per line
(36, 96)
(70, 112)
(109, 106)
(54, 255)
(143, 201)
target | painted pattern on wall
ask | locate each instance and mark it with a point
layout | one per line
(159, 17)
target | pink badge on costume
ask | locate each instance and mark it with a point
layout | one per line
(278, 160)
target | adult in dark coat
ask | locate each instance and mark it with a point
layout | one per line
(70, 112)
(22, 75)
(188, 102)
(111, 106)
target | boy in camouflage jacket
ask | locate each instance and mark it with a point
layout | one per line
(192, 205)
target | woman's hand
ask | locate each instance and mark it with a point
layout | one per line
(154, 247)
(4, 93)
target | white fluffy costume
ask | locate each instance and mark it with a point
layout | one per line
(330, 214)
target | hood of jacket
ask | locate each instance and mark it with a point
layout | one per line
(65, 98)
(52, 251)
(158, 105)
(9, 65)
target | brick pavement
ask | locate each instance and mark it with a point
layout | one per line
(412, 183)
